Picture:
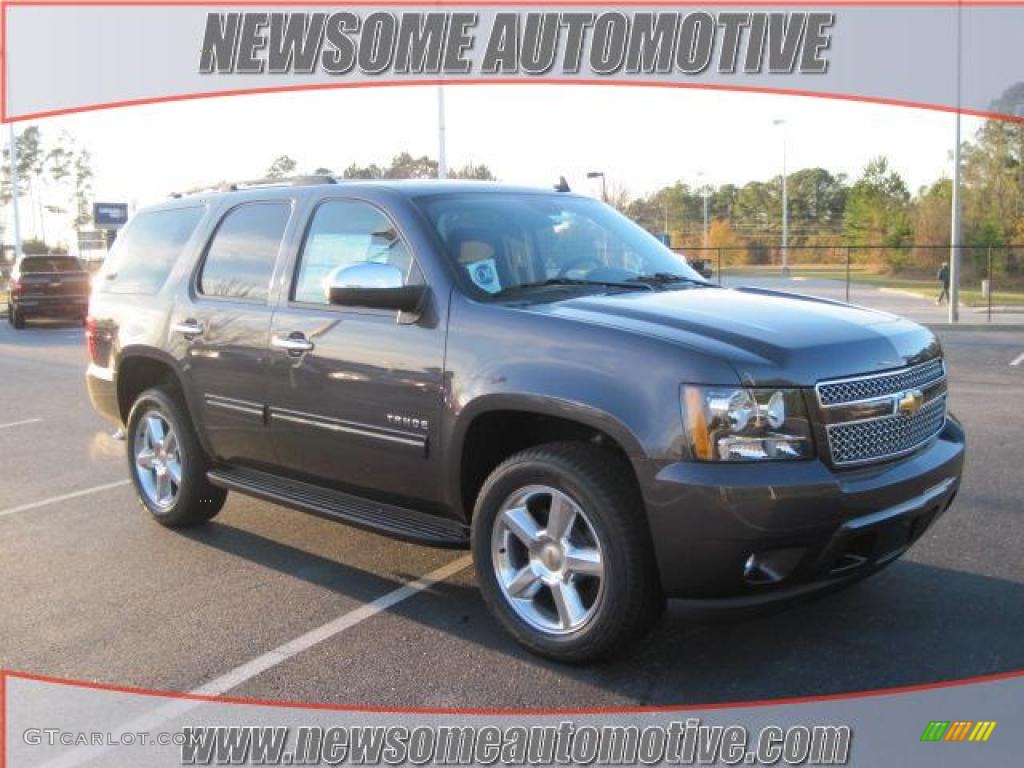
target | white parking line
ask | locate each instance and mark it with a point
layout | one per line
(1019, 359)
(63, 497)
(173, 708)
(282, 653)
(19, 423)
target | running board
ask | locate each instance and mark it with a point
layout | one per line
(398, 522)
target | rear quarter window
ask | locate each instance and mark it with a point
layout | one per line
(146, 250)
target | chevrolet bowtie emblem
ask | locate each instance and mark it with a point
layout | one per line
(910, 402)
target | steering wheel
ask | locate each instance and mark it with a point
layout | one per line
(576, 263)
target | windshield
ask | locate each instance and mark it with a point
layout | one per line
(505, 242)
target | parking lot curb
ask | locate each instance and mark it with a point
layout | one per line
(1010, 327)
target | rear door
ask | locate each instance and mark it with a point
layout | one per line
(221, 327)
(359, 408)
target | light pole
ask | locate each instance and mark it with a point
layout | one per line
(785, 203)
(604, 189)
(442, 150)
(954, 228)
(704, 191)
(14, 192)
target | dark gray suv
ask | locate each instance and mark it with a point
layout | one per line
(522, 372)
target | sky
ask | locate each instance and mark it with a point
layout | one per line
(641, 137)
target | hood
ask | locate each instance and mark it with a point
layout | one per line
(769, 338)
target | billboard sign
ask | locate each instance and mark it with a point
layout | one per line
(109, 215)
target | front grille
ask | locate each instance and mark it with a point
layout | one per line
(888, 436)
(868, 387)
(856, 440)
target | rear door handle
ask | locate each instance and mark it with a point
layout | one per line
(189, 328)
(294, 344)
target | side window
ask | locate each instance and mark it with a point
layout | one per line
(146, 251)
(240, 259)
(343, 233)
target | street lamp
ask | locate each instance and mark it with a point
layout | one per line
(604, 189)
(442, 144)
(14, 190)
(785, 203)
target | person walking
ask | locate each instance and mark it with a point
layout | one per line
(943, 276)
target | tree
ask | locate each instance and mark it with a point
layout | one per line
(877, 212)
(282, 167)
(405, 166)
(371, 171)
(473, 171)
(82, 189)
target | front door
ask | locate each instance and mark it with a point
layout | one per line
(355, 394)
(224, 326)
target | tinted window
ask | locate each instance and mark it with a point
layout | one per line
(49, 264)
(240, 259)
(146, 251)
(343, 233)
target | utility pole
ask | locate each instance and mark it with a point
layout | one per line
(442, 150)
(14, 191)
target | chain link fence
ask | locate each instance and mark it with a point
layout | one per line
(991, 276)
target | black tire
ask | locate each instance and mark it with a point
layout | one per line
(601, 484)
(17, 319)
(196, 500)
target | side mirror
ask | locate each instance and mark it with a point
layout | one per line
(375, 286)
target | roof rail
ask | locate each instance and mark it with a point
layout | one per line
(292, 181)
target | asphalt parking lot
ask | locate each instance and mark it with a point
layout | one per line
(94, 590)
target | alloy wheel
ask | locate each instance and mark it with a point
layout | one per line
(157, 459)
(548, 559)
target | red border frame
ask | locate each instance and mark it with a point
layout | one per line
(493, 80)
(3, 719)
(286, 704)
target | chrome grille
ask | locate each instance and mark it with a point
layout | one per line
(888, 433)
(868, 387)
(888, 436)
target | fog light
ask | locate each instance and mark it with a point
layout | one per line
(772, 566)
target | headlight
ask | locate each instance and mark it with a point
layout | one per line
(737, 424)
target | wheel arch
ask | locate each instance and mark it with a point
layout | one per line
(141, 368)
(524, 423)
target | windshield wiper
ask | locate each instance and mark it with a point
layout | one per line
(666, 278)
(554, 281)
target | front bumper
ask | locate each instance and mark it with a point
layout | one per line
(808, 526)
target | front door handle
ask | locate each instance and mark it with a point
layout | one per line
(294, 344)
(189, 328)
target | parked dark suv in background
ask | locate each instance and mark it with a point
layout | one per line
(53, 286)
(526, 373)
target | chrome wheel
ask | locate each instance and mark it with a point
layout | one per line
(157, 460)
(547, 559)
